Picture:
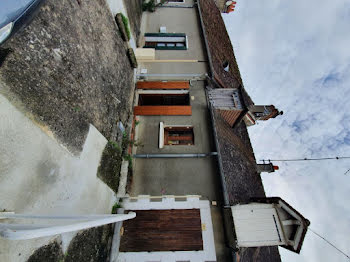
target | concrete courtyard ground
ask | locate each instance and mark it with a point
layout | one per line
(38, 176)
(69, 68)
(65, 85)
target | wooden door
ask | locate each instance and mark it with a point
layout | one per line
(163, 230)
(257, 225)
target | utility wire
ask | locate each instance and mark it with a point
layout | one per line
(306, 159)
(347, 171)
(329, 243)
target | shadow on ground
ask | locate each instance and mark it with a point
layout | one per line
(91, 245)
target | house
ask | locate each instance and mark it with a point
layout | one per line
(195, 174)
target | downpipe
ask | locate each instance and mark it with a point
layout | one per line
(201, 155)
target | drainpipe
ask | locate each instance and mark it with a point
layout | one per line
(176, 155)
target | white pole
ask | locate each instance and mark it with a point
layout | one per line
(21, 233)
(54, 217)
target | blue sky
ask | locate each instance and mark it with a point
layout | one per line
(296, 55)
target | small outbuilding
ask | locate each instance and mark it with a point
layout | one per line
(269, 222)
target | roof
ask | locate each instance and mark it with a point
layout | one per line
(241, 178)
(238, 164)
(221, 50)
(238, 161)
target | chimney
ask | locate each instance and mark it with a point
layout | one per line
(269, 168)
(230, 6)
(262, 112)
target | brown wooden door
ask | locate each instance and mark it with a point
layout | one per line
(163, 230)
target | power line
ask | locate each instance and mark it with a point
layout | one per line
(306, 159)
(329, 243)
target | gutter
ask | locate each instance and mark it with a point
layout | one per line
(205, 39)
(212, 79)
(211, 67)
(221, 168)
(221, 171)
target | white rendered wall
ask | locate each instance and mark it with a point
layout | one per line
(172, 202)
(257, 225)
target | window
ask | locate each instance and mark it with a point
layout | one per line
(178, 135)
(164, 99)
(162, 102)
(166, 41)
(175, 135)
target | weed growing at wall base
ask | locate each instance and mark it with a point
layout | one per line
(126, 25)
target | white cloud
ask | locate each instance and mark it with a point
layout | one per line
(295, 55)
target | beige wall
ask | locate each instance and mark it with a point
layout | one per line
(170, 68)
(177, 20)
(181, 176)
(148, 129)
(148, 137)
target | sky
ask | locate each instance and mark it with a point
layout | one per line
(296, 55)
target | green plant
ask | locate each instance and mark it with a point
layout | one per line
(151, 5)
(76, 109)
(137, 122)
(129, 159)
(125, 135)
(115, 146)
(126, 25)
(115, 207)
(126, 141)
